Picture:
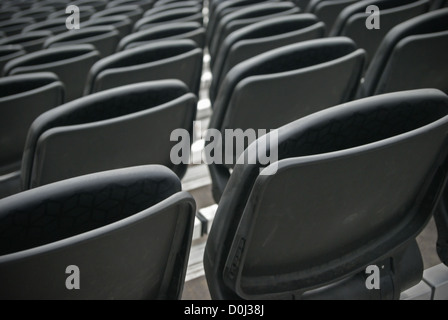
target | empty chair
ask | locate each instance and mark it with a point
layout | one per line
(437, 4)
(10, 52)
(30, 41)
(127, 231)
(133, 12)
(7, 13)
(38, 14)
(176, 15)
(328, 10)
(122, 23)
(117, 128)
(166, 2)
(15, 26)
(55, 4)
(56, 26)
(97, 5)
(404, 60)
(85, 12)
(22, 99)
(260, 37)
(347, 192)
(244, 17)
(143, 4)
(352, 21)
(174, 5)
(169, 31)
(71, 64)
(104, 38)
(282, 85)
(174, 59)
(20, 5)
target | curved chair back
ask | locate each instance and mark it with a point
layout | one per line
(142, 4)
(70, 63)
(328, 10)
(97, 5)
(38, 14)
(15, 26)
(175, 5)
(176, 15)
(133, 12)
(10, 52)
(117, 128)
(30, 41)
(56, 26)
(126, 232)
(122, 23)
(85, 12)
(310, 227)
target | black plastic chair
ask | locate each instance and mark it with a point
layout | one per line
(30, 41)
(172, 6)
(133, 12)
(328, 10)
(122, 23)
(104, 38)
(7, 13)
(38, 14)
(55, 4)
(352, 21)
(176, 15)
(143, 4)
(97, 5)
(56, 26)
(122, 127)
(15, 26)
(260, 37)
(21, 5)
(174, 59)
(246, 16)
(22, 99)
(71, 64)
(347, 192)
(438, 4)
(169, 31)
(10, 52)
(160, 3)
(85, 13)
(282, 85)
(127, 231)
(411, 56)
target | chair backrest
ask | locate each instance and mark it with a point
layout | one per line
(328, 10)
(117, 128)
(351, 22)
(38, 14)
(193, 14)
(97, 5)
(56, 26)
(172, 6)
(70, 63)
(246, 16)
(85, 12)
(22, 99)
(260, 37)
(133, 12)
(169, 31)
(279, 86)
(161, 3)
(326, 212)
(128, 233)
(104, 38)
(174, 59)
(122, 23)
(438, 4)
(30, 41)
(10, 52)
(142, 4)
(15, 26)
(7, 13)
(55, 4)
(403, 60)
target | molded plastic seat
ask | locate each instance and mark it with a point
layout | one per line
(174, 59)
(15, 26)
(104, 38)
(260, 37)
(243, 17)
(23, 98)
(352, 21)
(166, 2)
(122, 127)
(438, 4)
(21, 5)
(56, 26)
(143, 4)
(97, 5)
(10, 52)
(328, 10)
(172, 6)
(282, 85)
(347, 192)
(127, 231)
(55, 4)
(70, 63)
(169, 31)
(133, 12)
(404, 60)
(30, 41)
(38, 14)
(122, 23)
(176, 15)
(85, 13)
(7, 13)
